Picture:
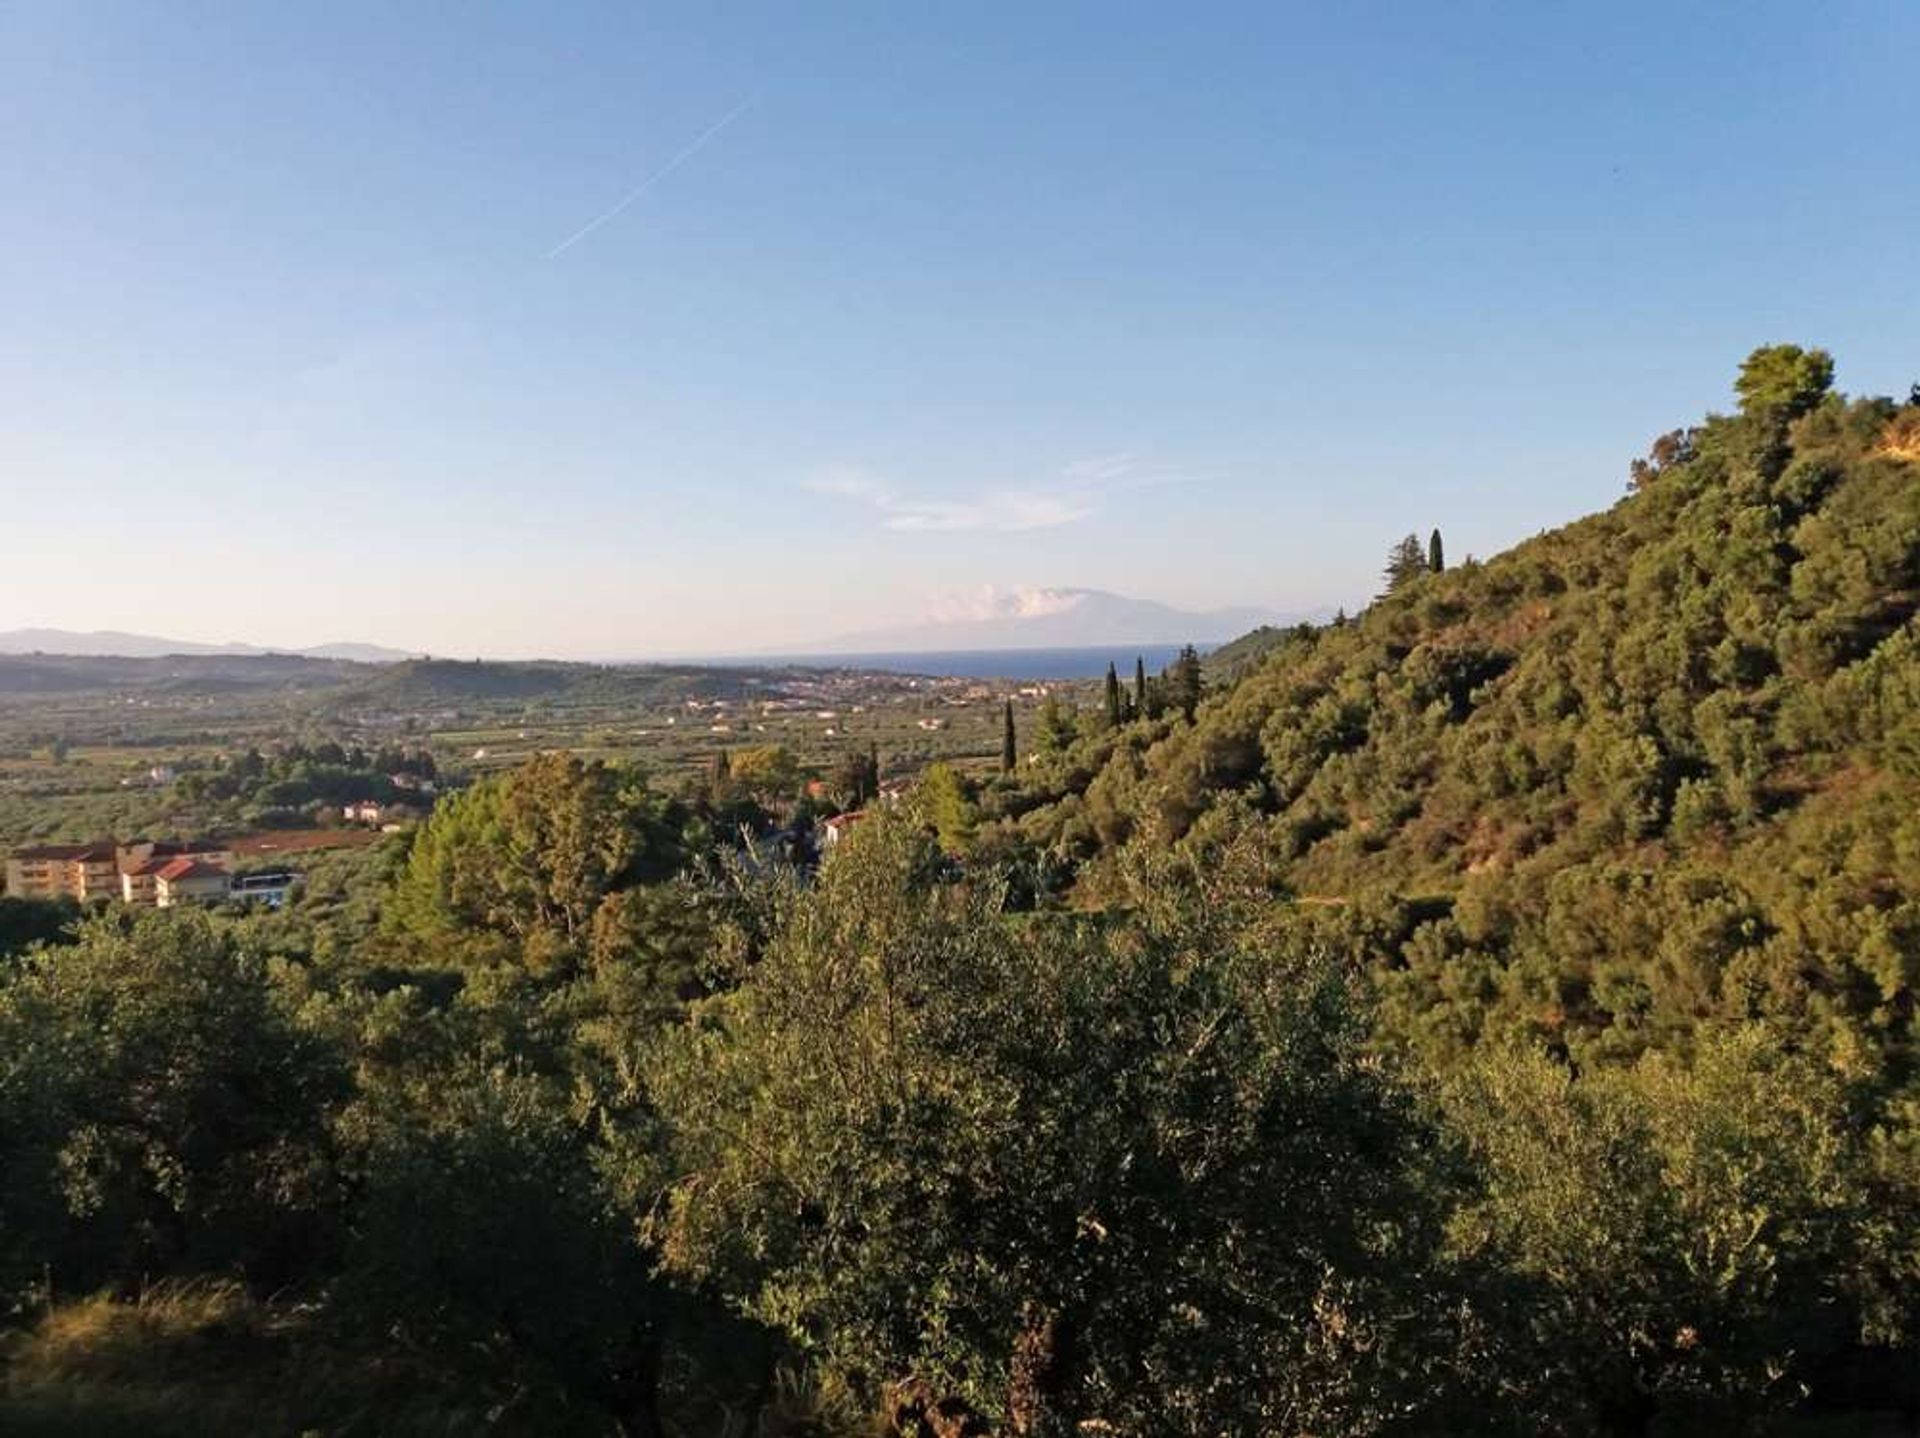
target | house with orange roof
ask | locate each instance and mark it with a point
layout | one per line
(189, 881)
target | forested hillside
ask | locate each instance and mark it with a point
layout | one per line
(1659, 767)
(1490, 1014)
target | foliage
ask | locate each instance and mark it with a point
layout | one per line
(1134, 1175)
(1406, 562)
(1698, 1234)
(1495, 1013)
(527, 859)
(164, 1109)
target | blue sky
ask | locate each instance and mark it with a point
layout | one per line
(1204, 304)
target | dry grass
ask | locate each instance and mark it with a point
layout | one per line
(204, 1359)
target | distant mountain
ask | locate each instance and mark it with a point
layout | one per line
(358, 653)
(1046, 618)
(111, 643)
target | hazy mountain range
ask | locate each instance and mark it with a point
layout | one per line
(1048, 618)
(1029, 617)
(110, 642)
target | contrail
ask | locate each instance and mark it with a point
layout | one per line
(655, 178)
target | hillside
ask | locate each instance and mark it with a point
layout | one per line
(1491, 1015)
(1657, 765)
(30, 674)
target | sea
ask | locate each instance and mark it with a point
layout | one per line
(1077, 663)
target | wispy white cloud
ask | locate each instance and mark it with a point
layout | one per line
(993, 601)
(1075, 493)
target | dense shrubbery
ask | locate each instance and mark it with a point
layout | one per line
(291, 781)
(1492, 1014)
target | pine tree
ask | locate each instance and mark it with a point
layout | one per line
(1006, 743)
(1405, 563)
(1436, 555)
(1114, 715)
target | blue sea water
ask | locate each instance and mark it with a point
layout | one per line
(1078, 663)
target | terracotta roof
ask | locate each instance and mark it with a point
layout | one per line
(184, 868)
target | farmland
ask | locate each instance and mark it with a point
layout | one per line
(98, 746)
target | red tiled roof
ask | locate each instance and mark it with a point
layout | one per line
(184, 868)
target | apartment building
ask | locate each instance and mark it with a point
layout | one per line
(104, 869)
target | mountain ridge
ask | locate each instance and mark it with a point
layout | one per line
(121, 644)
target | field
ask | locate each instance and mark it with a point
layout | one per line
(96, 747)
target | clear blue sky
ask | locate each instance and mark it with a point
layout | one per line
(1204, 304)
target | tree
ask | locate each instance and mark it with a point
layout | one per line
(1436, 556)
(1185, 684)
(1139, 687)
(25, 922)
(1676, 446)
(1007, 755)
(1114, 714)
(164, 1111)
(1406, 562)
(1692, 1232)
(485, 1230)
(946, 807)
(1779, 383)
(770, 771)
(900, 1144)
(519, 863)
(1055, 728)
(856, 779)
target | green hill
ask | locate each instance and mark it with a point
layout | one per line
(1657, 766)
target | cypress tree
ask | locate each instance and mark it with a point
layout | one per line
(1186, 681)
(1006, 743)
(1436, 556)
(1140, 686)
(1113, 697)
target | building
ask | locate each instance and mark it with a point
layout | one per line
(136, 883)
(141, 861)
(72, 871)
(102, 869)
(189, 881)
